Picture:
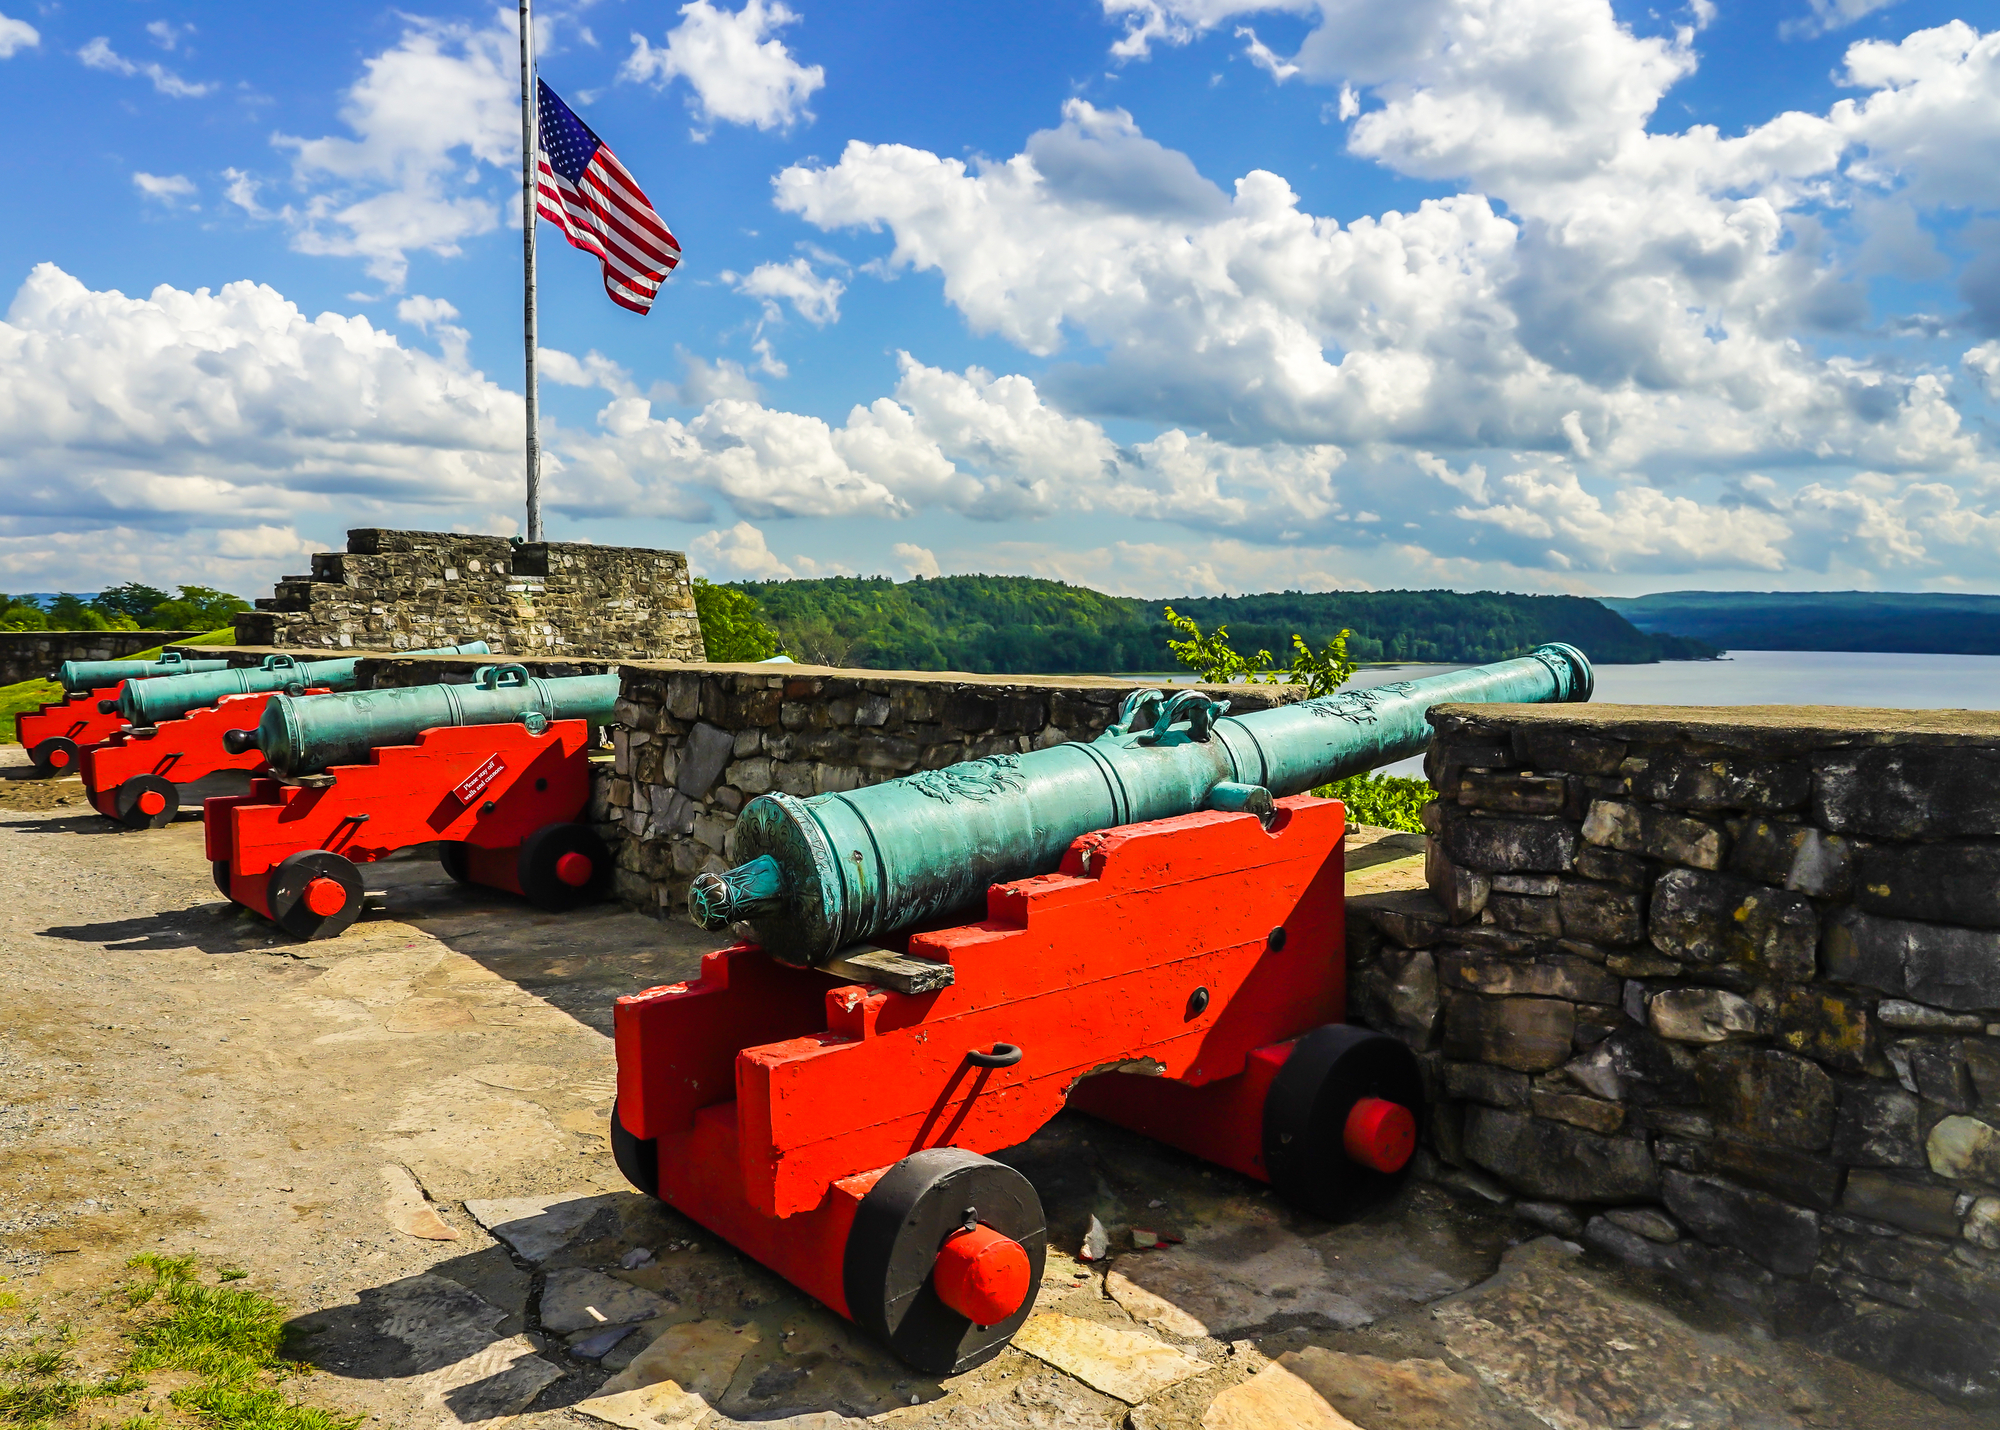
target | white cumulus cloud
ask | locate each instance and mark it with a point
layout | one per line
(168, 189)
(732, 60)
(16, 35)
(814, 298)
(98, 55)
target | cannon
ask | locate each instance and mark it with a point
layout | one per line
(142, 773)
(1162, 945)
(56, 735)
(149, 703)
(495, 773)
(77, 676)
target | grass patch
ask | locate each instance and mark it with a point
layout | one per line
(229, 1337)
(1385, 801)
(27, 695)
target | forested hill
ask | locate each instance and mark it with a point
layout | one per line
(1022, 624)
(1912, 622)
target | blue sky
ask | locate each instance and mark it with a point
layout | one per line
(1163, 296)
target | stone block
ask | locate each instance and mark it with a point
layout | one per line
(1541, 886)
(1446, 757)
(1727, 782)
(1716, 919)
(1939, 1069)
(1771, 1232)
(1953, 883)
(1899, 1013)
(1556, 1161)
(1511, 793)
(970, 710)
(753, 776)
(1520, 914)
(1525, 1034)
(1649, 1222)
(1909, 792)
(1590, 1113)
(1824, 1027)
(1982, 1223)
(1640, 963)
(1982, 1060)
(1953, 1359)
(1398, 994)
(1803, 1177)
(1409, 917)
(1549, 976)
(1608, 866)
(1965, 1150)
(1702, 1015)
(1596, 1072)
(1767, 1096)
(1496, 1087)
(1541, 747)
(1877, 1127)
(1601, 913)
(1903, 1201)
(1793, 856)
(703, 758)
(1509, 846)
(1936, 964)
(1635, 829)
(1651, 1070)
(1461, 892)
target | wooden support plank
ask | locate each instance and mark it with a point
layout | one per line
(898, 972)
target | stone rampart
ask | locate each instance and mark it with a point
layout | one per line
(695, 742)
(399, 590)
(32, 655)
(1717, 992)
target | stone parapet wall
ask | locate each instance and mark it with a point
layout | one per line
(34, 655)
(697, 741)
(398, 590)
(1717, 992)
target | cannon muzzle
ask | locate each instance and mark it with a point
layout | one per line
(76, 676)
(302, 735)
(148, 702)
(813, 876)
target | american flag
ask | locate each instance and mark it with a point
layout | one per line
(583, 189)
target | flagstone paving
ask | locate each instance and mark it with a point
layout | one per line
(400, 1134)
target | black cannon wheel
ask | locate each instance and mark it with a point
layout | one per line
(637, 1157)
(898, 1230)
(57, 755)
(452, 859)
(554, 856)
(1306, 1111)
(218, 870)
(296, 885)
(146, 802)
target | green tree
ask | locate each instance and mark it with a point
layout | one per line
(1211, 657)
(197, 608)
(70, 612)
(23, 615)
(732, 624)
(131, 600)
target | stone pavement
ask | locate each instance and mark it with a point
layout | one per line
(400, 1134)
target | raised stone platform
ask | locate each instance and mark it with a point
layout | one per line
(401, 590)
(1717, 991)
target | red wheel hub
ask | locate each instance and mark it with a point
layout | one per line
(326, 897)
(982, 1275)
(58, 759)
(151, 802)
(574, 869)
(1381, 1134)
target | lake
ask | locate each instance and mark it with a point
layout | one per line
(1773, 677)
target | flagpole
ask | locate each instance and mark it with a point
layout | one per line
(529, 335)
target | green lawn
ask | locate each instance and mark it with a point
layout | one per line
(30, 694)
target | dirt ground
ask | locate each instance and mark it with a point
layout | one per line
(345, 1120)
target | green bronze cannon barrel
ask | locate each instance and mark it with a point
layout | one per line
(815, 875)
(77, 676)
(304, 734)
(151, 701)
